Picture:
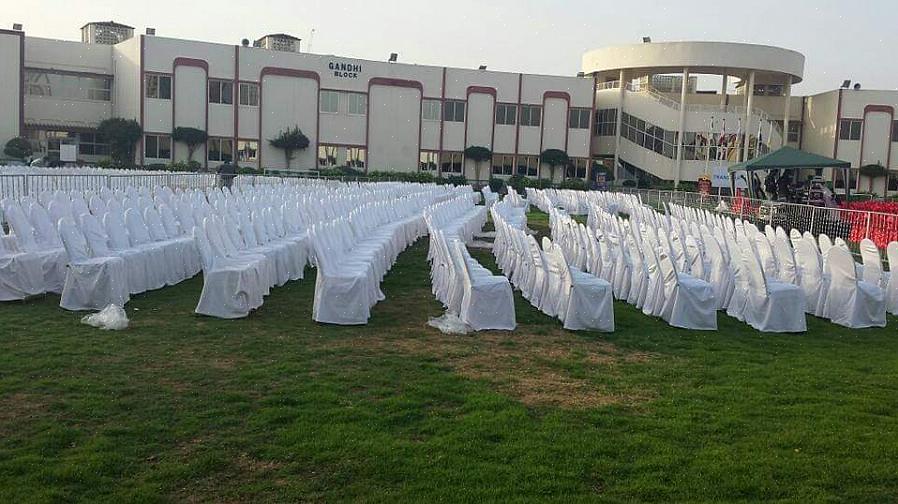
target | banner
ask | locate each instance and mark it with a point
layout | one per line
(720, 176)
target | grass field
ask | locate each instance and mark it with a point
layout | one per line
(277, 408)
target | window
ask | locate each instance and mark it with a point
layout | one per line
(159, 86)
(355, 157)
(577, 168)
(850, 129)
(506, 114)
(358, 104)
(578, 118)
(157, 147)
(895, 131)
(531, 115)
(528, 165)
(330, 102)
(247, 150)
(220, 149)
(92, 144)
(327, 156)
(606, 122)
(452, 162)
(430, 110)
(454, 111)
(63, 85)
(249, 94)
(429, 161)
(795, 131)
(503, 164)
(221, 91)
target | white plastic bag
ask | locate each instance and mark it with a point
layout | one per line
(449, 324)
(112, 317)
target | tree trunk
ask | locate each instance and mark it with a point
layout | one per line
(287, 157)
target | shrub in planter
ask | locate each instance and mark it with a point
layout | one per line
(457, 180)
(497, 185)
(573, 183)
(518, 182)
(18, 148)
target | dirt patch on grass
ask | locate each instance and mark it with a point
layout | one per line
(17, 407)
(554, 368)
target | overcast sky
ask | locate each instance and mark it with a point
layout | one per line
(841, 39)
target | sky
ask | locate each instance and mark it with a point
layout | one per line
(841, 40)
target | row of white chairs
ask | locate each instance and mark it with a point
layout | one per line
(547, 277)
(834, 286)
(482, 300)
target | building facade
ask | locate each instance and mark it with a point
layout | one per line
(369, 115)
(623, 110)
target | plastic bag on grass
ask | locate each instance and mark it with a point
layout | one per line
(449, 323)
(112, 318)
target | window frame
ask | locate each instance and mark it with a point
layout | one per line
(242, 148)
(502, 164)
(156, 137)
(359, 99)
(159, 78)
(220, 150)
(581, 123)
(527, 165)
(428, 106)
(252, 90)
(451, 110)
(451, 159)
(220, 86)
(356, 157)
(430, 158)
(850, 129)
(322, 101)
(527, 116)
(502, 114)
(328, 149)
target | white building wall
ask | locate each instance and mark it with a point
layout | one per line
(289, 102)
(395, 119)
(819, 123)
(126, 75)
(554, 126)
(480, 120)
(10, 85)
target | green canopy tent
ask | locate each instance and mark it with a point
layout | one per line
(786, 158)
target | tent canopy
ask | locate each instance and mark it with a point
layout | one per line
(788, 158)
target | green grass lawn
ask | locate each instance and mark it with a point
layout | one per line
(277, 408)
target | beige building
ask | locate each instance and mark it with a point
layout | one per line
(623, 110)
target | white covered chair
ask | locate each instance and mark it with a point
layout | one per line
(892, 285)
(812, 280)
(53, 260)
(231, 289)
(851, 302)
(488, 300)
(91, 283)
(586, 302)
(872, 270)
(21, 274)
(771, 306)
(688, 301)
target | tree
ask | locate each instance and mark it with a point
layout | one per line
(290, 140)
(554, 158)
(122, 135)
(18, 148)
(478, 155)
(192, 137)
